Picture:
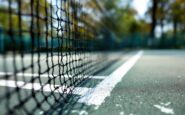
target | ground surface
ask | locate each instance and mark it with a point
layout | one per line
(154, 85)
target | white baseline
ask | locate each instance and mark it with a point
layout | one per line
(44, 87)
(97, 95)
(36, 75)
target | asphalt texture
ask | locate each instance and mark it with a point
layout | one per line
(155, 85)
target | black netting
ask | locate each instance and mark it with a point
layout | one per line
(47, 49)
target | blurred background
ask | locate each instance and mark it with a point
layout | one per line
(120, 24)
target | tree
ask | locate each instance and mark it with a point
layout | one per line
(23, 13)
(176, 18)
(118, 19)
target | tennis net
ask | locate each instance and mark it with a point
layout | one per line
(48, 48)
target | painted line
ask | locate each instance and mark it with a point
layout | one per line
(50, 75)
(45, 87)
(97, 95)
(164, 109)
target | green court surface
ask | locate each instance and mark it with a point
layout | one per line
(154, 84)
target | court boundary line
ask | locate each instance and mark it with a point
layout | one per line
(50, 75)
(89, 96)
(97, 95)
(45, 87)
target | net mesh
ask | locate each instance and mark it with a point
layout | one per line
(46, 52)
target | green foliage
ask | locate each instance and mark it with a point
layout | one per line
(15, 22)
(5, 19)
(121, 20)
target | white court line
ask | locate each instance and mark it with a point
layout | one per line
(50, 75)
(165, 110)
(90, 96)
(97, 95)
(45, 88)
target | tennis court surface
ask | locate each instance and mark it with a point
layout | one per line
(63, 57)
(136, 82)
